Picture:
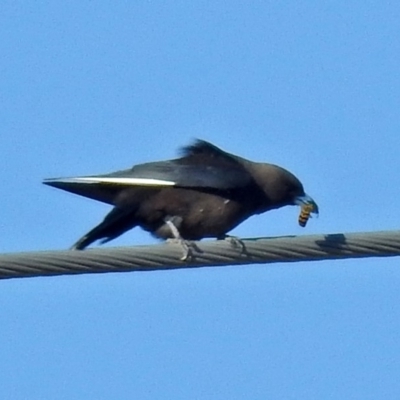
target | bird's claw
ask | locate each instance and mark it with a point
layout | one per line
(235, 242)
(187, 247)
(187, 251)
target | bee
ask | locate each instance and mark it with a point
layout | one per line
(304, 215)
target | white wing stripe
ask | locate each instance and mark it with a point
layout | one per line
(117, 181)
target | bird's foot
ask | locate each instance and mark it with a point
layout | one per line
(188, 247)
(235, 242)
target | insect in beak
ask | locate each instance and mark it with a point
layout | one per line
(308, 207)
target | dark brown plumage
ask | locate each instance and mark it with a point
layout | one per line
(205, 193)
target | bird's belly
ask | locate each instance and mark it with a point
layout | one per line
(195, 214)
(211, 220)
(212, 216)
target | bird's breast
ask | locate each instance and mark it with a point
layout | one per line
(201, 214)
(210, 215)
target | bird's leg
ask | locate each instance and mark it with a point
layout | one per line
(186, 245)
(235, 242)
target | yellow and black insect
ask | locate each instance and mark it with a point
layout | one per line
(305, 212)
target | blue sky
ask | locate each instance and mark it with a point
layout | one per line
(91, 87)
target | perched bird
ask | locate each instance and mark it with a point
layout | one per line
(205, 193)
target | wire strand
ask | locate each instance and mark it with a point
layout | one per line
(208, 254)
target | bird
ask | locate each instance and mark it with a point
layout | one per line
(205, 193)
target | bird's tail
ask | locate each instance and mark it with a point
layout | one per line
(114, 224)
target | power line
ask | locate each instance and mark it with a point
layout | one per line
(210, 254)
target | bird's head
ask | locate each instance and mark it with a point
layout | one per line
(296, 193)
(282, 188)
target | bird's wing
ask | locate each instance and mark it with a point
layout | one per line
(203, 165)
(164, 174)
(183, 173)
(95, 191)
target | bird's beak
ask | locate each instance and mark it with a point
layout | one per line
(307, 200)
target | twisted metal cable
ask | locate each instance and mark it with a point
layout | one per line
(209, 253)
